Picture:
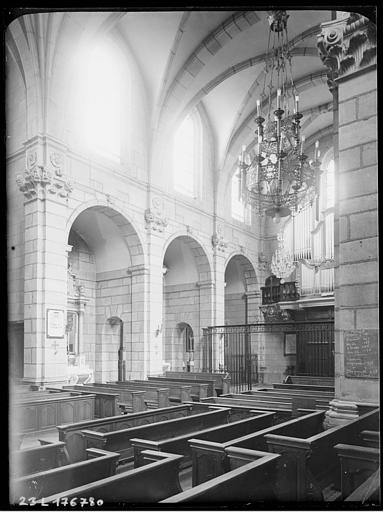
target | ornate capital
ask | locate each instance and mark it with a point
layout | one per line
(273, 313)
(347, 45)
(155, 221)
(263, 264)
(37, 182)
(218, 242)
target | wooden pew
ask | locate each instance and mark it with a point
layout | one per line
(310, 379)
(75, 442)
(368, 491)
(297, 401)
(221, 380)
(129, 401)
(244, 481)
(313, 455)
(151, 483)
(210, 457)
(105, 404)
(40, 458)
(304, 387)
(178, 391)
(370, 438)
(237, 412)
(155, 397)
(45, 413)
(357, 463)
(120, 440)
(100, 464)
(199, 389)
(179, 443)
(283, 411)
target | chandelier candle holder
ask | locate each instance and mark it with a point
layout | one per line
(282, 263)
(278, 179)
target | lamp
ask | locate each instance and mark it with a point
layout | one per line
(278, 179)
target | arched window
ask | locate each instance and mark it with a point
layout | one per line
(239, 210)
(100, 109)
(187, 156)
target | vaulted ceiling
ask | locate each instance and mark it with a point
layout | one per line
(213, 60)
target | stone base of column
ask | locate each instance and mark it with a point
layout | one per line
(340, 412)
(40, 385)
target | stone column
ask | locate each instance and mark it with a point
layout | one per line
(206, 317)
(46, 192)
(348, 47)
(135, 333)
(156, 224)
(219, 257)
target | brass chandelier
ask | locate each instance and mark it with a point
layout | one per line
(277, 178)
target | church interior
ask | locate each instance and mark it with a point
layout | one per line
(192, 257)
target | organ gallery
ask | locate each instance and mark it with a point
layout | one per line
(192, 257)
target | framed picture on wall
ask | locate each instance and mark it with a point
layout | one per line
(55, 323)
(290, 344)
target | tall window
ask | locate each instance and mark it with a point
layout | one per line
(187, 157)
(239, 210)
(101, 101)
(330, 185)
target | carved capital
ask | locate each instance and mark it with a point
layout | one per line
(347, 45)
(155, 221)
(218, 242)
(37, 181)
(273, 313)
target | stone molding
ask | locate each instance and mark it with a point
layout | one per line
(347, 45)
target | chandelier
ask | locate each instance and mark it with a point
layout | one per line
(277, 178)
(282, 263)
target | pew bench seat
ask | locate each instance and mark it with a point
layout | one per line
(40, 458)
(243, 482)
(153, 482)
(75, 443)
(357, 463)
(100, 464)
(179, 443)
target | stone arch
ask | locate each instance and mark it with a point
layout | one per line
(201, 256)
(187, 296)
(104, 277)
(241, 290)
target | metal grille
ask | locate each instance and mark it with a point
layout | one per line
(229, 349)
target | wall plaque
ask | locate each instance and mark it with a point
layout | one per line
(361, 354)
(55, 323)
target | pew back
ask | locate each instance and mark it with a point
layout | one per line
(153, 482)
(178, 442)
(101, 465)
(40, 458)
(120, 441)
(134, 400)
(221, 380)
(75, 442)
(199, 388)
(241, 484)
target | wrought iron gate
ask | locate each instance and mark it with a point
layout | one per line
(234, 349)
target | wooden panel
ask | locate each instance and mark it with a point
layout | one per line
(361, 354)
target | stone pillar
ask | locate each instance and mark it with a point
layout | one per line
(206, 318)
(219, 258)
(156, 224)
(46, 192)
(348, 47)
(135, 335)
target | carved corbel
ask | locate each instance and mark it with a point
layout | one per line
(346, 45)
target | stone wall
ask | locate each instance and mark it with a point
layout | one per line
(356, 293)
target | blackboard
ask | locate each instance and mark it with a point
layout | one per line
(361, 354)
